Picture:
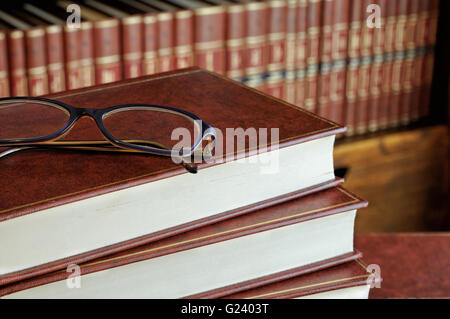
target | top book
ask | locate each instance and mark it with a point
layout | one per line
(58, 207)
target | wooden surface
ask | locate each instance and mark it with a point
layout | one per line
(403, 175)
(411, 265)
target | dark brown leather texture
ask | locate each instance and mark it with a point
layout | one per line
(350, 274)
(319, 204)
(413, 265)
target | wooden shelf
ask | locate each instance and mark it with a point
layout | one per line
(403, 175)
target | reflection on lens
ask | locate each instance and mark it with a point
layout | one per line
(152, 127)
(27, 120)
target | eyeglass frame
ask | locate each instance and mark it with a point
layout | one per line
(98, 114)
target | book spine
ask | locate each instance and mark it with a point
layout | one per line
(417, 72)
(72, 57)
(377, 111)
(351, 84)
(291, 35)
(36, 61)
(387, 73)
(339, 57)
(364, 73)
(210, 38)
(150, 61)
(256, 45)
(276, 43)
(55, 58)
(132, 46)
(4, 76)
(108, 64)
(235, 42)
(312, 53)
(17, 61)
(324, 77)
(184, 39)
(87, 54)
(410, 50)
(430, 41)
(300, 53)
(165, 41)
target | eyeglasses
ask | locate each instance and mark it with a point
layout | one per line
(32, 122)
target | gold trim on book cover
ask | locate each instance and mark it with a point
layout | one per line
(209, 45)
(183, 14)
(165, 16)
(131, 20)
(209, 10)
(106, 23)
(233, 230)
(236, 8)
(308, 286)
(253, 6)
(37, 70)
(35, 33)
(16, 34)
(153, 78)
(107, 59)
(150, 19)
(53, 29)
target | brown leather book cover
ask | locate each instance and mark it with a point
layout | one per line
(325, 52)
(291, 37)
(184, 39)
(319, 204)
(354, 54)
(165, 41)
(209, 38)
(276, 45)
(106, 173)
(431, 29)
(72, 49)
(150, 61)
(387, 76)
(108, 64)
(4, 72)
(256, 44)
(364, 73)
(87, 54)
(36, 61)
(132, 46)
(300, 54)
(55, 58)
(17, 60)
(339, 40)
(351, 274)
(235, 41)
(312, 53)
(377, 110)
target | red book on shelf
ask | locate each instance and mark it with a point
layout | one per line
(410, 59)
(87, 54)
(351, 280)
(377, 110)
(210, 38)
(256, 45)
(55, 58)
(108, 64)
(430, 41)
(235, 41)
(181, 265)
(325, 52)
(291, 37)
(165, 41)
(276, 44)
(4, 72)
(150, 61)
(340, 33)
(132, 46)
(312, 54)
(140, 191)
(300, 54)
(364, 73)
(17, 61)
(354, 54)
(184, 39)
(36, 61)
(72, 37)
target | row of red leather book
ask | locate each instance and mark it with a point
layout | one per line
(328, 56)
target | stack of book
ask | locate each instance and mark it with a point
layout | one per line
(365, 64)
(266, 218)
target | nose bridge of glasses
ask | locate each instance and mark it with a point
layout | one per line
(81, 111)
